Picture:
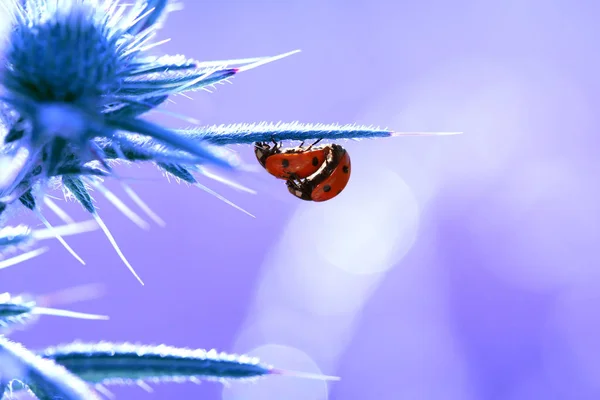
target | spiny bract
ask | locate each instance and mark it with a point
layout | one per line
(76, 78)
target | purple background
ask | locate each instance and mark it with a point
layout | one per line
(461, 267)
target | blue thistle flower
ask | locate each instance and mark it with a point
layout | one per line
(75, 82)
(68, 64)
(76, 79)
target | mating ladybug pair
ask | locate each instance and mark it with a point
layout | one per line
(312, 173)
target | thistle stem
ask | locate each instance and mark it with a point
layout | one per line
(266, 132)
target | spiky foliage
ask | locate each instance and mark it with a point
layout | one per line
(76, 79)
(81, 371)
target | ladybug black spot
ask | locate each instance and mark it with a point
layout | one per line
(285, 163)
(326, 188)
(345, 169)
(315, 161)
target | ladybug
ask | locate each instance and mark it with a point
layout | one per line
(293, 163)
(328, 181)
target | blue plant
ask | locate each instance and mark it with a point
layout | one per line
(64, 372)
(76, 78)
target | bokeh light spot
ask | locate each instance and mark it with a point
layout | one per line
(368, 229)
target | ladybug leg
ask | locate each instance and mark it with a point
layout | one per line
(302, 144)
(293, 184)
(276, 144)
(311, 146)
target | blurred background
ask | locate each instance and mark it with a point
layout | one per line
(461, 267)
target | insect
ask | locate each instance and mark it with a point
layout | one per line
(329, 180)
(292, 163)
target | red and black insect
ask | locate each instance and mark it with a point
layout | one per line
(292, 163)
(328, 182)
(312, 173)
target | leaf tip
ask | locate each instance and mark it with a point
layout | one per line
(304, 375)
(398, 134)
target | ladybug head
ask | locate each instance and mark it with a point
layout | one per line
(302, 191)
(263, 150)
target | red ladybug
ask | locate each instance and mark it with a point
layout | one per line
(293, 163)
(328, 181)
